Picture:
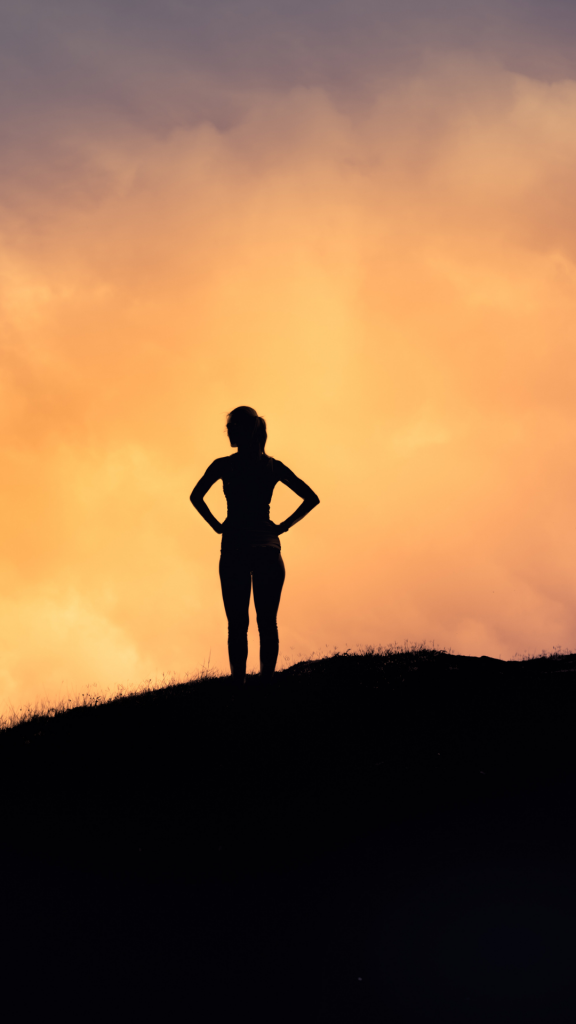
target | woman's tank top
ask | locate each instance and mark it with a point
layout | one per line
(248, 487)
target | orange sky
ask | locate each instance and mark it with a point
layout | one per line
(390, 283)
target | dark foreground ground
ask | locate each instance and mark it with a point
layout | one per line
(375, 838)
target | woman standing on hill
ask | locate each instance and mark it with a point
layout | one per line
(250, 550)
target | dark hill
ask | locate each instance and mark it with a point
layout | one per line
(207, 792)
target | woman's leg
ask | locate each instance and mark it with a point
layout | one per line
(236, 585)
(268, 574)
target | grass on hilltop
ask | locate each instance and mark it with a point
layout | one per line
(90, 698)
(209, 776)
(302, 850)
(46, 708)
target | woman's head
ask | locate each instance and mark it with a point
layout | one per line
(246, 429)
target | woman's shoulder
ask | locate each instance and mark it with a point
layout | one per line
(219, 468)
(277, 467)
(226, 463)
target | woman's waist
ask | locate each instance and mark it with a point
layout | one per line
(238, 533)
(238, 522)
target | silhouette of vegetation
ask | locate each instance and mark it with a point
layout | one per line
(210, 777)
(48, 709)
(298, 850)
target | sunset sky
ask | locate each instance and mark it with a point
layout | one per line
(357, 217)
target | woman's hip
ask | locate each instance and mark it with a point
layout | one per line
(250, 557)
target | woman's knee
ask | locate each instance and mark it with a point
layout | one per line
(238, 626)
(267, 624)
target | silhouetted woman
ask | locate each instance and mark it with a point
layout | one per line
(250, 552)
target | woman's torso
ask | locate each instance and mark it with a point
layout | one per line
(248, 487)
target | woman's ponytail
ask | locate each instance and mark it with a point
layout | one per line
(261, 434)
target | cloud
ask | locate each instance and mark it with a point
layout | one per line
(388, 279)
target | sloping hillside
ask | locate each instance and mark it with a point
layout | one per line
(209, 778)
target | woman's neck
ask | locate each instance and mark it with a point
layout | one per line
(248, 454)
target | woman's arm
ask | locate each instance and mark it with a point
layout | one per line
(310, 499)
(212, 474)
